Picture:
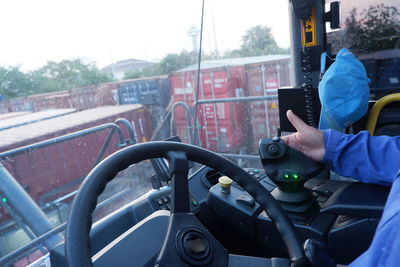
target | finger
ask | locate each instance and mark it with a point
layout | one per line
(290, 140)
(285, 139)
(296, 121)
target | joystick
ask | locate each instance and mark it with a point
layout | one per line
(289, 169)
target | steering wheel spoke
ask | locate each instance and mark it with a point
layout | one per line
(179, 181)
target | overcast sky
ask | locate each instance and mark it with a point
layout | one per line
(34, 32)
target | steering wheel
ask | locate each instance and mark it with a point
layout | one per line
(77, 240)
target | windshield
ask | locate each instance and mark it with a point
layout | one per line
(80, 80)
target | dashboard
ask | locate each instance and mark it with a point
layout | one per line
(346, 217)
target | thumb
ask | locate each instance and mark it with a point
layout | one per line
(296, 121)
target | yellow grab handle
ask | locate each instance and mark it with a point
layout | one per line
(376, 110)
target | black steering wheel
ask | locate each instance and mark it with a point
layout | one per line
(77, 241)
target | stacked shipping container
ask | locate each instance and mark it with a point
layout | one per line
(262, 80)
(225, 127)
(153, 92)
(220, 123)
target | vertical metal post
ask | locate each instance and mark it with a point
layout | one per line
(183, 88)
(266, 101)
(215, 108)
(204, 112)
(296, 48)
(278, 74)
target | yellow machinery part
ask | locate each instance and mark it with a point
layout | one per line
(376, 110)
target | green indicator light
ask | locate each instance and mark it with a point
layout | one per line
(255, 171)
(286, 176)
(295, 176)
(194, 202)
(4, 199)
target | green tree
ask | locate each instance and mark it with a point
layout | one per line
(54, 76)
(173, 62)
(168, 64)
(377, 28)
(14, 83)
(149, 71)
(67, 74)
(257, 41)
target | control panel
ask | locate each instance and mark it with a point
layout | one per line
(161, 200)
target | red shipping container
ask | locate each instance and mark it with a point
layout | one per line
(262, 80)
(220, 124)
(82, 97)
(29, 117)
(6, 116)
(46, 169)
(106, 94)
(225, 126)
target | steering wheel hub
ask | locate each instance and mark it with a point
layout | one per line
(193, 246)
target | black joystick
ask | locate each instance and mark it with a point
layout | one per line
(289, 169)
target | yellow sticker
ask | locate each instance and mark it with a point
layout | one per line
(144, 139)
(274, 105)
(310, 33)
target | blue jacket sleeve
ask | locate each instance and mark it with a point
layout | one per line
(369, 159)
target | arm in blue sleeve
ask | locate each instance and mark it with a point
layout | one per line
(369, 159)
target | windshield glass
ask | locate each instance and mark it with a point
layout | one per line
(70, 70)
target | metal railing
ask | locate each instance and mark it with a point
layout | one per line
(23, 198)
(63, 138)
(38, 241)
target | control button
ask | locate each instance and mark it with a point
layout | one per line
(160, 202)
(257, 176)
(273, 149)
(327, 192)
(246, 200)
(166, 199)
(225, 183)
(251, 173)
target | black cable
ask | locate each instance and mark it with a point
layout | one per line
(307, 84)
(198, 77)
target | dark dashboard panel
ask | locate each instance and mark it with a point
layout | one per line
(349, 214)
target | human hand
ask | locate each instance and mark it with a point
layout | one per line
(308, 140)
